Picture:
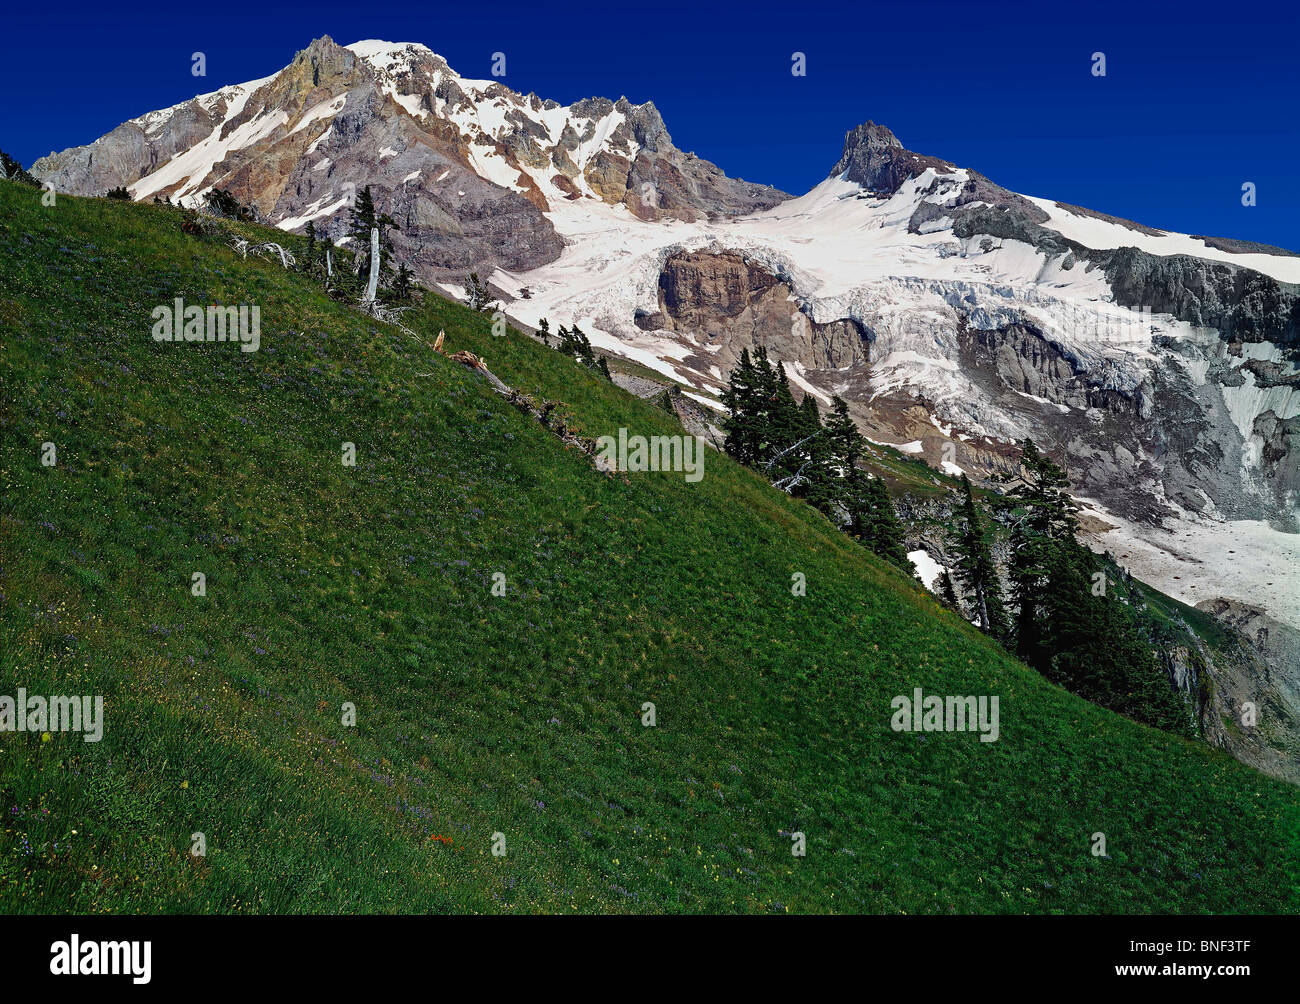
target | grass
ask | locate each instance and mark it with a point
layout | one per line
(480, 714)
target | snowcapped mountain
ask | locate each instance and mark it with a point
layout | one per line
(469, 168)
(958, 317)
(954, 315)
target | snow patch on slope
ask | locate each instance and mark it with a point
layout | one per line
(193, 165)
(1104, 235)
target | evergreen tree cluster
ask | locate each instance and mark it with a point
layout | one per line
(11, 170)
(1058, 613)
(1067, 621)
(1070, 625)
(975, 569)
(223, 204)
(787, 442)
(351, 272)
(401, 286)
(341, 279)
(574, 343)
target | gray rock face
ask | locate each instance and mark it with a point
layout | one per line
(1259, 663)
(1133, 441)
(1024, 360)
(1244, 247)
(1239, 302)
(127, 153)
(1204, 465)
(299, 145)
(875, 159)
(1242, 304)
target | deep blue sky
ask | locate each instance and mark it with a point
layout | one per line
(1194, 103)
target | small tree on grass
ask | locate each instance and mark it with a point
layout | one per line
(874, 521)
(402, 287)
(478, 296)
(573, 342)
(224, 204)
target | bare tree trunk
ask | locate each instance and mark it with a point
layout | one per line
(373, 287)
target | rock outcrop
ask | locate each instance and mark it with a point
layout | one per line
(1249, 687)
(730, 304)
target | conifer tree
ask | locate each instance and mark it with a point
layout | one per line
(810, 418)
(765, 404)
(573, 342)
(872, 519)
(975, 568)
(1093, 646)
(787, 417)
(886, 535)
(478, 296)
(844, 443)
(1069, 624)
(402, 284)
(12, 170)
(222, 203)
(313, 253)
(836, 453)
(948, 592)
(1042, 518)
(741, 401)
(815, 468)
(789, 451)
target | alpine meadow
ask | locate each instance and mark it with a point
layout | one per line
(422, 495)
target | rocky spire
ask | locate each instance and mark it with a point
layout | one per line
(875, 159)
(647, 125)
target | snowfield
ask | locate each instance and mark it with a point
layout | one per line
(846, 254)
(1194, 559)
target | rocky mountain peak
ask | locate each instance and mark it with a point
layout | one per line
(326, 57)
(874, 158)
(871, 134)
(647, 125)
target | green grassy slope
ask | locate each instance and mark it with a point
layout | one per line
(479, 714)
